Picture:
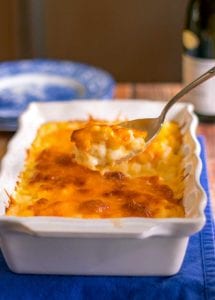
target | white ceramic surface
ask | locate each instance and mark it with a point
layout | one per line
(126, 246)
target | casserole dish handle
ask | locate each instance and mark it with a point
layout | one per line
(72, 229)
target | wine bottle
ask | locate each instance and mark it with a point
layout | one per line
(199, 55)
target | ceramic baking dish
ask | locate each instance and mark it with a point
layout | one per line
(124, 246)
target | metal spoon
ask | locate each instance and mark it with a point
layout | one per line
(153, 125)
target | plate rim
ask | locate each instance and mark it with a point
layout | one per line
(104, 92)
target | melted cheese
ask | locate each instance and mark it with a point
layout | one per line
(98, 146)
(52, 183)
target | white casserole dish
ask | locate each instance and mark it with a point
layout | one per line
(128, 246)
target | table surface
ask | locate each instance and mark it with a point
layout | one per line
(155, 91)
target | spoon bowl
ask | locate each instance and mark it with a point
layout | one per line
(151, 125)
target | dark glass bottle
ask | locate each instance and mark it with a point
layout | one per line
(199, 55)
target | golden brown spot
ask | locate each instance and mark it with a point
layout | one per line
(114, 175)
(137, 209)
(113, 193)
(78, 181)
(64, 160)
(93, 206)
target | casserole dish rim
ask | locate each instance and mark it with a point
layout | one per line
(129, 227)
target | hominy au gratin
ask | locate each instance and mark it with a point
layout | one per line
(68, 174)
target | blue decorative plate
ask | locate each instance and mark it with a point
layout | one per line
(46, 80)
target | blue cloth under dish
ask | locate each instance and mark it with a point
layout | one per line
(195, 281)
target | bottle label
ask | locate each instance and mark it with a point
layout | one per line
(203, 96)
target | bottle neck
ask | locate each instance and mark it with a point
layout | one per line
(206, 8)
(200, 23)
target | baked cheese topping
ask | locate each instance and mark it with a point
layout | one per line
(52, 183)
(101, 145)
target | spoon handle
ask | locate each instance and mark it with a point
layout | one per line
(210, 73)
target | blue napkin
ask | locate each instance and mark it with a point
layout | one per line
(195, 281)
